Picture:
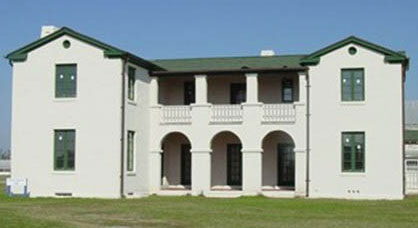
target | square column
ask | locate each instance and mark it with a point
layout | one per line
(201, 170)
(252, 88)
(302, 87)
(155, 171)
(251, 172)
(300, 172)
(154, 91)
(201, 87)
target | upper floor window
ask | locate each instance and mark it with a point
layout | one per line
(189, 93)
(131, 83)
(287, 90)
(65, 80)
(238, 93)
(64, 149)
(353, 152)
(352, 85)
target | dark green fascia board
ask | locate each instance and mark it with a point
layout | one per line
(390, 56)
(20, 54)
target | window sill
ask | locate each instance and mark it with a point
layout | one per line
(130, 102)
(65, 99)
(353, 174)
(353, 103)
(64, 172)
(131, 174)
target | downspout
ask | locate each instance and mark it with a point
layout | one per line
(122, 129)
(403, 131)
(308, 114)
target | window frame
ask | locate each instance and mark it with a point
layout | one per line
(285, 85)
(353, 168)
(65, 151)
(131, 83)
(65, 95)
(189, 87)
(352, 92)
(130, 151)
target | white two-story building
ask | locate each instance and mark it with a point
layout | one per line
(91, 120)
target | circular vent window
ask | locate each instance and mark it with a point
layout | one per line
(66, 44)
(352, 50)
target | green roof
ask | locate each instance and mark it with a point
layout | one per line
(108, 50)
(231, 63)
(411, 136)
(390, 56)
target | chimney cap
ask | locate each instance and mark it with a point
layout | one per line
(48, 29)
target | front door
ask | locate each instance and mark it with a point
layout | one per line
(234, 164)
(186, 164)
(286, 165)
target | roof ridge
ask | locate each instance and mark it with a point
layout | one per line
(231, 57)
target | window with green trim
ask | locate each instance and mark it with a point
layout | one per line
(65, 80)
(131, 83)
(64, 149)
(352, 85)
(353, 152)
(130, 149)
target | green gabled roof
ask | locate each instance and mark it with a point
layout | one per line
(109, 51)
(390, 56)
(411, 136)
(231, 63)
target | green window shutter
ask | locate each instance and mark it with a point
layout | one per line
(131, 83)
(352, 85)
(130, 150)
(353, 152)
(64, 149)
(66, 80)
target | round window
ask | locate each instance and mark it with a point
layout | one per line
(352, 50)
(66, 43)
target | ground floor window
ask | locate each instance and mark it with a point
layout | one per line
(131, 148)
(353, 152)
(64, 149)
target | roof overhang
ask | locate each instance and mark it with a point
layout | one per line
(20, 55)
(226, 71)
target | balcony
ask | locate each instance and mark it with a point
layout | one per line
(176, 114)
(232, 99)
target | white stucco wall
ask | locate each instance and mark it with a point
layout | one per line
(94, 114)
(137, 119)
(379, 116)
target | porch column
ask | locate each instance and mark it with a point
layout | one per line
(201, 87)
(201, 169)
(302, 86)
(154, 91)
(300, 172)
(251, 171)
(252, 88)
(155, 170)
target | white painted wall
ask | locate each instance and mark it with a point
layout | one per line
(379, 116)
(94, 113)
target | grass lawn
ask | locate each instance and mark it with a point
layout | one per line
(205, 212)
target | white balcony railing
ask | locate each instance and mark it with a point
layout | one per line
(273, 113)
(226, 113)
(176, 114)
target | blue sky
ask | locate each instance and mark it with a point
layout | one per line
(194, 28)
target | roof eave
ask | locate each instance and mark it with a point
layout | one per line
(226, 71)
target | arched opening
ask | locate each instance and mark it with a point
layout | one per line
(226, 162)
(176, 162)
(278, 170)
